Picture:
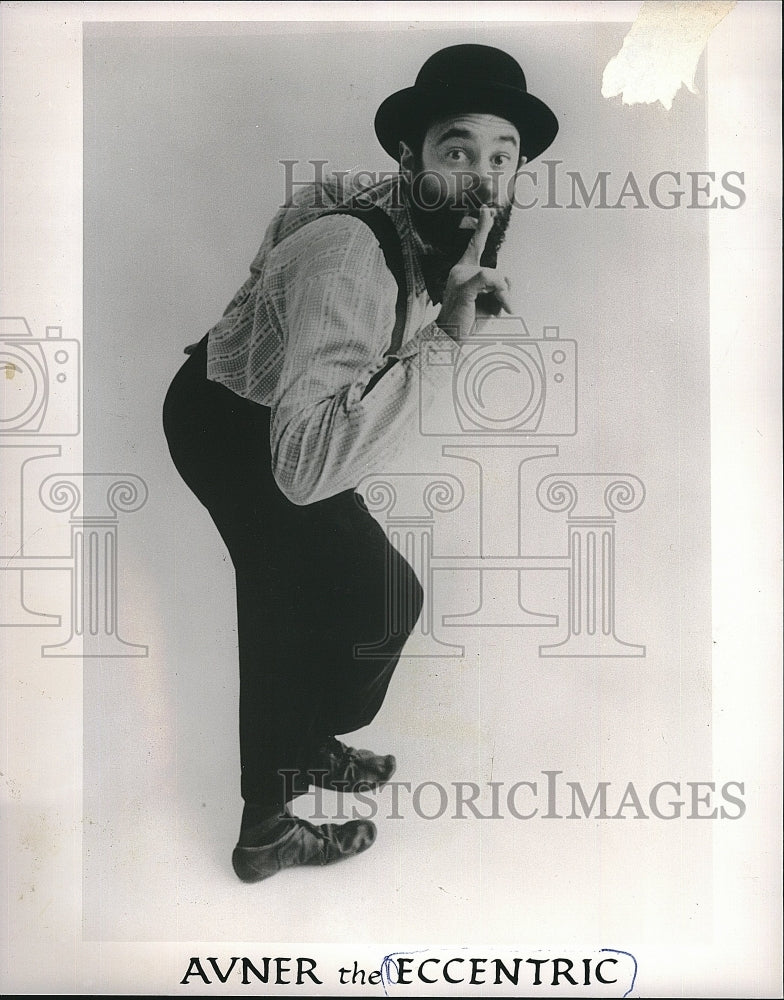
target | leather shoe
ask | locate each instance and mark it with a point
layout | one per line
(341, 768)
(290, 841)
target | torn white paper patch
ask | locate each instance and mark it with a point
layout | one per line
(662, 49)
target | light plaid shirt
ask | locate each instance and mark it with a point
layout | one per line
(308, 330)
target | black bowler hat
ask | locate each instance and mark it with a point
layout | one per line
(462, 79)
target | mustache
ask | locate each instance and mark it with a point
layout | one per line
(459, 208)
(447, 243)
(471, 201)
(442, 219)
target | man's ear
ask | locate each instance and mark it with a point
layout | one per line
(406, 158)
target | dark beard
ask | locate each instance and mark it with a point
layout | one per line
(440, 229)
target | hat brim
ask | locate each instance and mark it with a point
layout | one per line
(410, 109)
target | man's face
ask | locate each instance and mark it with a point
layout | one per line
(466, 161)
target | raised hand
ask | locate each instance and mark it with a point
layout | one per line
(467, 280)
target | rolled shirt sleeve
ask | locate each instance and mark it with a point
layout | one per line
(336, 320)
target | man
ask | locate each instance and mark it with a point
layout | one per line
(310, 381)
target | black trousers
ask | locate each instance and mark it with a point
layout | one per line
(312, 583)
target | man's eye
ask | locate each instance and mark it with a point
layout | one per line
(455, 154)
(501, 159)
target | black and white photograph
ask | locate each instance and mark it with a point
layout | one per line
(391, 504)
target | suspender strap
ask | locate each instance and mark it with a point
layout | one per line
(383, 229)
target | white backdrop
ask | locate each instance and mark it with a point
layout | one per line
(184, 128)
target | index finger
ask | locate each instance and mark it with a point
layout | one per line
(476, 247)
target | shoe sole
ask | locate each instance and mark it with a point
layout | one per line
(251, 865)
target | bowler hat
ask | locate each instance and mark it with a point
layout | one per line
(462, 79)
